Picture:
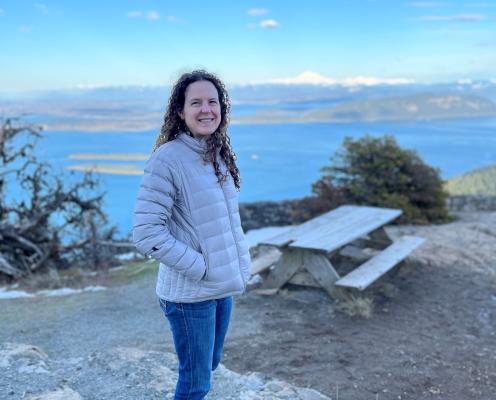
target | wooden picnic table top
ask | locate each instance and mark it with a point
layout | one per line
(334, 229)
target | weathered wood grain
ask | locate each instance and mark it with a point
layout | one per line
(334, 229)
(266, 260)
(321, 269)
(284, 269)
(378, 265)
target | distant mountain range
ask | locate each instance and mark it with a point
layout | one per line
(137, 108)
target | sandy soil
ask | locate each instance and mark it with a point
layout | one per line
(435, 339)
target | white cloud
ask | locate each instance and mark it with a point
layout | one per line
(256, 12)
(174, 20)
(269, 23)
(43, 8)
(153, 15)
(150, 15)
(134, 14)
(454, 18)
(313, 78)
(25, 28)
(426, 4)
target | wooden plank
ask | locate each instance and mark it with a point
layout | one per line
(321, 269)
(378, 265)
(304, 278)
(335, 228)
(355, 223)
(268, 258)
(378, 239)
(284, 269)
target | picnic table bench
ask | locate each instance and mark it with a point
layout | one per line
(303, 255)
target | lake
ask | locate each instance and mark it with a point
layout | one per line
(281, 161)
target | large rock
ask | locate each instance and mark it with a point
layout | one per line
(124, 373)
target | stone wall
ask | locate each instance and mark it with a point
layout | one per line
(265, 213)
(472, 203)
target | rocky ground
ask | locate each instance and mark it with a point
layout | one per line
(432, 335)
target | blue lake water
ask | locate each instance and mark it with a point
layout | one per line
(281, 161)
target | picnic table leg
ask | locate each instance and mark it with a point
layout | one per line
(380, 239)
(290, 261)
(322, 270)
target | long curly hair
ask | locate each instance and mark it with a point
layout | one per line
(173, 124)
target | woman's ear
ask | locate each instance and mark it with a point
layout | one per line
(181, 114)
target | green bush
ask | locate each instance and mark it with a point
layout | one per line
(377, 172)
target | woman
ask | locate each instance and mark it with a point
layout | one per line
(187, 217)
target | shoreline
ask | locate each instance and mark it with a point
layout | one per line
(276, 118)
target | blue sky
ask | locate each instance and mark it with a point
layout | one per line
(61, 44)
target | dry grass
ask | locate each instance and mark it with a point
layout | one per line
(388, 290)
(357, 306)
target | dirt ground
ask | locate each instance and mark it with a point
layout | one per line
(434, 339)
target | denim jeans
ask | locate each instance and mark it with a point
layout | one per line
(198, 330)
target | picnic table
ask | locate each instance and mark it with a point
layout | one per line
(304, 254)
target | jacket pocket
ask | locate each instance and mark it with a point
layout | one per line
(205, 258)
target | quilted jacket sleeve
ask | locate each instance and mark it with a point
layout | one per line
(151, 234)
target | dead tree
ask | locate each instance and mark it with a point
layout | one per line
(56, 220)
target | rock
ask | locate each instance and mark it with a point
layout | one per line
(128, 372)
(64, 393)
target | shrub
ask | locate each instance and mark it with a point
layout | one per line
(377, 172)
(55, 221)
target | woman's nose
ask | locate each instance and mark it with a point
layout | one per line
(205, 108)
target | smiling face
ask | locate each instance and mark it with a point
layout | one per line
(201, 111)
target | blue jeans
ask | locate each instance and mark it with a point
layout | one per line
(198, 330)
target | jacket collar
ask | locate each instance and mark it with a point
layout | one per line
(197, 145)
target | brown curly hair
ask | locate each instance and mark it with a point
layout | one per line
(173, 125)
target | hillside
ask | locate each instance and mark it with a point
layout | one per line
(408, 108)
(137, 108)
(479, 181)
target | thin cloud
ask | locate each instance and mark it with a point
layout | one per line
(134, 14)
(256, 12)
(426, 4)
(150, 15)
(174, 20)
(486, 44)
(42, 8)
(25, 28)
(2, 11)
(481, 5)
(269, 24)
(454, 18)
(153, 15)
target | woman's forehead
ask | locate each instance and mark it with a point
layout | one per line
(201, 89)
